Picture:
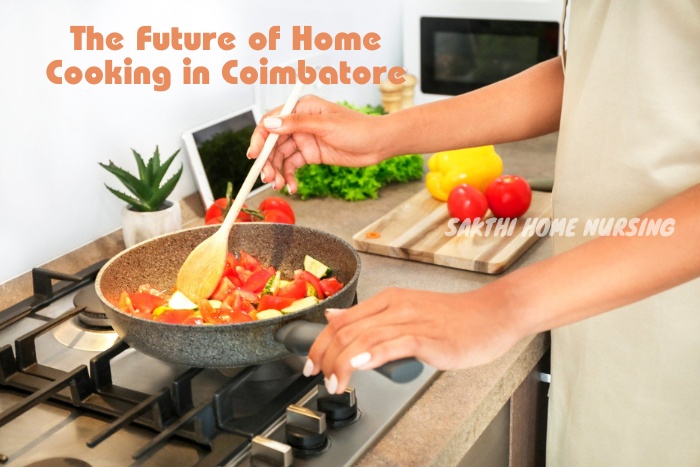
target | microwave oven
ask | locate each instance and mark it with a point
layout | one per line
(456, 46)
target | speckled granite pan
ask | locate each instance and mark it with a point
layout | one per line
(157, 262)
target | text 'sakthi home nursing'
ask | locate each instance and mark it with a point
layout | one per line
(564, 227)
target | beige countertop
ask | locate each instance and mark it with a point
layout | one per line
(444, 422)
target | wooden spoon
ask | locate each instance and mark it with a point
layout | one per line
(203, 268)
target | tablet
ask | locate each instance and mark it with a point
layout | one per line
(217, 153)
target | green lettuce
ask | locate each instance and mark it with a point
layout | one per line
(353, 183)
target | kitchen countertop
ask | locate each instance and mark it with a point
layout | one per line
(441, 426)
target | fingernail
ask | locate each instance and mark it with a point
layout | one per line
(308, 368)
(289, 188)
(360, 359)
(272, 122)
(333, 311)
(331, 384)
(247, 153)
(262, 176)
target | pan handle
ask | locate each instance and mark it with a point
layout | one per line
(298, 336)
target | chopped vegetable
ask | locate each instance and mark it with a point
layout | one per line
(316, 267)
(299, 305)
(247, 291)
(353, 183)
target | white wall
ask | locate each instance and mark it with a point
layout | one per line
(52, 194)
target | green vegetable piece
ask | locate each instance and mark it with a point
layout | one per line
(299, 305)
(316, 267)
(273, 284)
(267, 314)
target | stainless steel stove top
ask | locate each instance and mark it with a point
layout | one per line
(136, 410)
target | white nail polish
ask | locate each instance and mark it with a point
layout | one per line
(333, 311)
(262, 177)
(308, 368)
(331, 384)
(247, 153)
(289, 189)
(272, 122)
(360, 359)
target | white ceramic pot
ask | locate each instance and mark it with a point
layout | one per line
(139, 226)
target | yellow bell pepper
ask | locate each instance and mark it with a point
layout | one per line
(475, 166)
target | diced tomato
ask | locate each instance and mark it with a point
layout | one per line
(243, 273)
(256, 282)
(207, 311)
(248, 262)
(236, 300)
(222, 289)
(194, 319)
(145, 302)
(229, 315)
(295, 289)
(230, 270)
(174, 316)
(249, 296)
(315, 282)
(331, 286)
(271, 302)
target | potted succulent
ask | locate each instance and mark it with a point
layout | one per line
(148, 212)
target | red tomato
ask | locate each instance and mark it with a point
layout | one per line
(194, 320)
(248, 262)
(315, 282)
(143, 302)
(216, 212)
(295, 289)
(256, 282)
(228, 315)
(275, 215)
(271, 302)
(277, 203)
(223, 315)
(222, 289)
(509, 196)
(238, 302)
(466, 202)
(174, 316)
(330, 286)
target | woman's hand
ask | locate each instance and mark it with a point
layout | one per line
(318, 132)
(447, 331)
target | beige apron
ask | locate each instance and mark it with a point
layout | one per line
(626, 385)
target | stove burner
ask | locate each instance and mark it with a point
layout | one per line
(93, 315)
(59, 462)
(76, 335)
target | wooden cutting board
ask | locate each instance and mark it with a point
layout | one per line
(416, 230)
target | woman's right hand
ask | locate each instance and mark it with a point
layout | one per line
(317, 132)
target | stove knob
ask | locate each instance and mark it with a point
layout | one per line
(337, 407)
(306, 428)
(268, 452)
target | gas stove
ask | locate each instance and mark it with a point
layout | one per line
(72, 393)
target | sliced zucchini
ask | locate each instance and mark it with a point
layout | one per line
(316, 267)
(267, 314)
(299, 305)
(273, 284)
(180, 302)
(311, 291)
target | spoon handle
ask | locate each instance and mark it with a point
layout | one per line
(259, 162)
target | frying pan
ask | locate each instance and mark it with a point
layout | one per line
(157, 262)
